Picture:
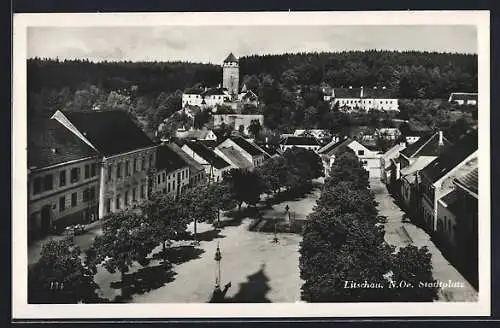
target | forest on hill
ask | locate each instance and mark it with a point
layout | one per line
(289, 86)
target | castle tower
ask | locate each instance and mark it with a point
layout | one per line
(231, 75)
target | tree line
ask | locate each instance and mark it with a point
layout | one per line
(139, 235)
(343, 255)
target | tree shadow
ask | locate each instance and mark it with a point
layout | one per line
(208, 235)
(143, 281)
(254, 290)
(295, 194)
(179, 254)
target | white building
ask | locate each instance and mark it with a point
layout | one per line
(214, 165)
(364, 99)
(463, 98)
(305, 142)
(370, 159)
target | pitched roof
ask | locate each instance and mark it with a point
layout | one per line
(332, 147)
(451, 157)
(418, 165)
(235, 156)
(194, 166)
(469, 181)
(168, 160)
(378, 93)
(429, 146)
(347, 92)
(50, 143)
(450, 198)
(230, 59)
(465, 96)
(247, 146)
(214, 92)
(300, 141)
(111, 132)
(207, 154)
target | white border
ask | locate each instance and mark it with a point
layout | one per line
(22, 310)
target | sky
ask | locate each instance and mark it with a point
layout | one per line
(211, 44)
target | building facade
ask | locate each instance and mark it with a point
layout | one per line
(127, 155)
(214, 165)
(63, 179)
(250, 151)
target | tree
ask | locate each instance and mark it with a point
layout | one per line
(343, 255)
(220, 196)
(201, 118)
(274, 174)
(60, 277)
(255, 128)
(412, 265)
(246, 186)
(196, 206)
(126, 239)
(241, 129)
(165, 219)
(303, 166)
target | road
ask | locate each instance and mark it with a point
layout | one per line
(401, 234)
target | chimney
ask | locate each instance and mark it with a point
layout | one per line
(440, 138)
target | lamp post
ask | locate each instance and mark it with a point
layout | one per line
(218, 258)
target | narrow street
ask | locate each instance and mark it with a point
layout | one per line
(401, 234)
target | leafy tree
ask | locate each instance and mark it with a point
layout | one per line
(274, 174)
(220, 196)
(196, 206)
(303, 166)
(163, 215)
(126, 239)
(255, 128)
(60, 277)
(201, 118)
(246, 186)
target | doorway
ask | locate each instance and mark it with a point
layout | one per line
(46, 220)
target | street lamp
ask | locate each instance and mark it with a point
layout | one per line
(218, 258)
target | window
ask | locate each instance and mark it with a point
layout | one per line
(73, 199)
(108, 205)
(159, 179)
(92, 193)
(37, 186)
(127, 167)
(143, 164)
(87, 171)
(93, 170)
(125, 198)
(86, 194)
(151, 160)
(449, 225)
(178, 175)
(117, 202)
(62, 178)
(183, 174)
(62, 203)
(361, 152)
(134, 194)
(119, 170)
(173, 185)
(47, 182)
(110, 171)
(164, 175)
(168, 187)
(75, 174)
(135, 165)
(143, 192)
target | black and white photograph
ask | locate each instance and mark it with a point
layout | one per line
(291, 164)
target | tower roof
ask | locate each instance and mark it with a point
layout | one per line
(231, 59)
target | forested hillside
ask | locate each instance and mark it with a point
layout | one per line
(289, 85)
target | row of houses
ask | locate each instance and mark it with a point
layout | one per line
(437, 183)
(361, 99)
(85, 165)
